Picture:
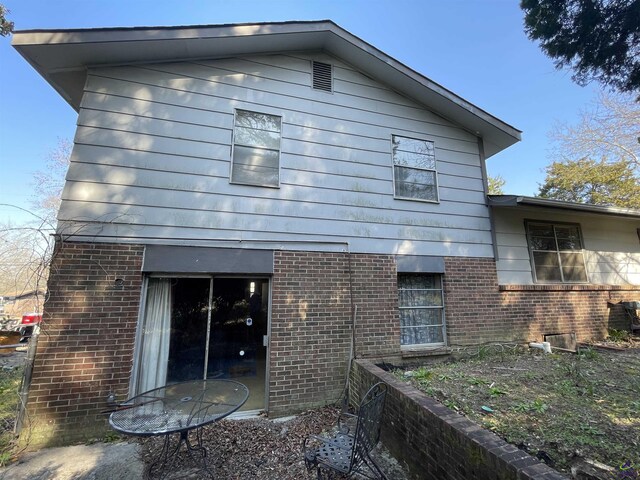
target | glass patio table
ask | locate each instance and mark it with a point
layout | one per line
(178, 408)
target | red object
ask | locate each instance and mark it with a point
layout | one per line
(31, 319)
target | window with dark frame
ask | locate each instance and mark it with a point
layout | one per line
(414, 169)
(556, 251)
(420, 301)
(256, 149)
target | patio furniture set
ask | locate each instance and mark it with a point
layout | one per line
(173, 411)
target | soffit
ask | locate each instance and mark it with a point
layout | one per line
(62, 57)
(523, 202)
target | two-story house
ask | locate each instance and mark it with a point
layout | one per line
(266, 201)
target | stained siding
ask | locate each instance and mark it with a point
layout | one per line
(152, 153)
(612, 246)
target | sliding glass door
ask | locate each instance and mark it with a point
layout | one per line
(207, 327)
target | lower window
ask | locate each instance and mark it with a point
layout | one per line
(421, 307)
(556, 252)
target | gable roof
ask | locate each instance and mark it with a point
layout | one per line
(63, 56)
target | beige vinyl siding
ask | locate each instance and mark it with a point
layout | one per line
(152, 156)
(611, 245)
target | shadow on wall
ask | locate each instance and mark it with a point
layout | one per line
(86, 345)
(617, 268)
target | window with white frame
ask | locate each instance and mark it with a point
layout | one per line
(421, 305)
(556, 252)
(256, 149)
(414, 169)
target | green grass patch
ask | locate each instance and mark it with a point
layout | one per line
(9, 385)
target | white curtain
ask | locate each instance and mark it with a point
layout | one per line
(156, 334)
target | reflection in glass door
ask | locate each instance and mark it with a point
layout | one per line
(238, 326)
(189, 318)
(217, 328)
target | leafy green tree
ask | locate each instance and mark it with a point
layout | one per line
(597, 39)
(590, 181)
(496, 185)
(6, 27)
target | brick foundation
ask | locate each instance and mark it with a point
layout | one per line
(86, 343)
(86, 349)
(480, 311)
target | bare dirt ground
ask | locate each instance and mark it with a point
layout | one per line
(562, 408)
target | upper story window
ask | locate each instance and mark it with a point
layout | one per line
(556, 252)
(421, 307)
(256, 149)
(414, 169)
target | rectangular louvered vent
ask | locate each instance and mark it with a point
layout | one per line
(322, 78)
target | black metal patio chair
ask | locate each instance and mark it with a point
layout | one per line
(348, 451)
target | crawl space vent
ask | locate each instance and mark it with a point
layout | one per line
(322, 78)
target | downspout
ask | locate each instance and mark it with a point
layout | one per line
(352, 344)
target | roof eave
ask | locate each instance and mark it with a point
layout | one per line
(519, 200)
(62, 57)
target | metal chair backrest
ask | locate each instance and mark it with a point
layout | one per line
(367, 432)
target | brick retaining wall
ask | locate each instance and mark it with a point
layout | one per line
(435, 442)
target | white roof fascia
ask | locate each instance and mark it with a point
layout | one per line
(62, 57)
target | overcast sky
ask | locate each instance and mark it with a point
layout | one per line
(475, 48)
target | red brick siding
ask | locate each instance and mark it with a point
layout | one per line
(375, 293)
(310, 330)
(478, 310)
(311, 322)
(85, 350)
(86, 343)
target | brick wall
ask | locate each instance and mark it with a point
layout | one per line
(479, 311)
(310, 330)
(435, 442)
(85, 350)
(86, 343)
(311, 323)
(375, 293)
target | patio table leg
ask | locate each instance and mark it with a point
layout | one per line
(162, 466)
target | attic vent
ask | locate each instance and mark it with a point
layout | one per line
(322, 77)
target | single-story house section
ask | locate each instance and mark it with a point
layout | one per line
(264, 201)
(568, 264)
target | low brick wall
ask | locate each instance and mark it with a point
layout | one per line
(434, 442)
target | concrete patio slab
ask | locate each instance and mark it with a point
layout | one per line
(100, 461)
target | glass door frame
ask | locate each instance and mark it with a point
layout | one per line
(137, 352)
